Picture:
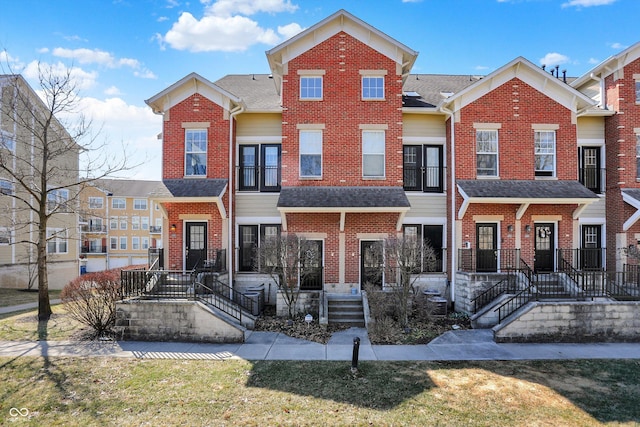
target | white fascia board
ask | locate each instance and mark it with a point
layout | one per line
(340, 210)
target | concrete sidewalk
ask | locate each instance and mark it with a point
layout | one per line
(453, 345)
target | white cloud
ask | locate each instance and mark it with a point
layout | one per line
(82, 79)
(215, 33)
(618, 46)
(226, 8)
(112, 91)
(587, 3)
(594, 61)
(290, 30)
(554, 58)
(481, 67)
(411, 1)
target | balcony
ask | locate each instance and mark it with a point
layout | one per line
(155, 229)
(93, 249)
(489, 260)
(429, 179)
(93, 228)
(259, 178)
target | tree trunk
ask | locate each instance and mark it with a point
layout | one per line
(44, 305)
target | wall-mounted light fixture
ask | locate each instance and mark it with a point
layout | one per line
(173, 228)
(527, 228)
(509, 228)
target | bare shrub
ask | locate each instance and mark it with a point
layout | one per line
(91, 300)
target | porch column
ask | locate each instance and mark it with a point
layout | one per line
(342, 254)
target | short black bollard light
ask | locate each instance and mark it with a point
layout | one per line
(354, 357)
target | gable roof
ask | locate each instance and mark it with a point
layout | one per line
(189, 85)
(530, 74)
(127, 187)
(340, 21)
(257, 91)
(609, 65)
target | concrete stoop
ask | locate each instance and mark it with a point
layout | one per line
(346, 310)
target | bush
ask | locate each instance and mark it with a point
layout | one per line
(91, 300)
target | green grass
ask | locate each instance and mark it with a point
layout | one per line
(113, 391)
(10, 297)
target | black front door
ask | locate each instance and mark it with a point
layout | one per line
(544, 243)
(311, 268)
(590, 173)
(196, 244)
(487, 247)
(591, 251)
(371, 262)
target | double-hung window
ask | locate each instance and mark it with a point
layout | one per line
(195, 152)
(113, 223)
(135, 223)
(486, 152)
(373, 154)
(5, 236)
(638, 156)
(113, 241)
(545, 152)
(123, 222)
(135, 243)
(96, 202)
(637, 87)
(57, 200)
(118, 203)
(140, 204)
(57, 241)
(7, 141)
(260, 167)
(123, 243)
(310, 153)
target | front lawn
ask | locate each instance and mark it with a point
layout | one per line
(114, 391)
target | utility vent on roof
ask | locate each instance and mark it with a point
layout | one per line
(446, 94)
(412, 93)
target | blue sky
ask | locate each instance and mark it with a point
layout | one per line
(125, 51)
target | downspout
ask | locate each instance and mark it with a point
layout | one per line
(452, 189)
(232, 114)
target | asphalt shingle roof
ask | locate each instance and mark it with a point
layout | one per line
(633, 192)
(526, 189)
(191, 188)
(432, 88)
(128, 187)
(258, 91)
(343, 197)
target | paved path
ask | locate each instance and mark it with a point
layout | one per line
(453, 345)
(474, 344)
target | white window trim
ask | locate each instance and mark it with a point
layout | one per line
(7, 187)
(135, 239)
(312, 98)
(113, 203)
(122, 239)
(384, 154)
(205, 152)
(372, 98)
(93, 203)
(57, 236)
(552, 129)
(7, 233)
(300, 154)
(496, 153)
(146, 205)
(7, 137)
(112, 246)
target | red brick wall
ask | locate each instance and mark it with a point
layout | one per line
(342, 111)
(196, 108)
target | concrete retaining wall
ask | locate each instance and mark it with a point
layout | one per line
(185, 321)
(573, 322)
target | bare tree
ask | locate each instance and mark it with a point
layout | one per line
(43, 135)
(405, 258)
(289, 260)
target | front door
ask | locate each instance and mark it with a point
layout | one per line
(311, 268)
(590, 169)
(371, 263)
(196, 244)
(487, 247)
(544, 243)
(591, 251)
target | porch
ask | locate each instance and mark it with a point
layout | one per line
(493, 261)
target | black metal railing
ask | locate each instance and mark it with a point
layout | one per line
(93, 228)
(487, 261)
(155, 229)
(429, 179)
(156, 258)
(593, 179)
(215, 261)
(505, 286)
(259, 178)
(89, 249)
(311, 278)
(583, 259)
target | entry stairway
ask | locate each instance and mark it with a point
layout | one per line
(345, 310)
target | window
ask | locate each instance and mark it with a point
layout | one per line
(5, 236)
(637, 91)
(118, 203)
(123, 223)
(135, 223)
(95, 246)
(250, 240)
(6, 187)
(591, 173)
(123, 243)
(545, 152)
(114, 243)
(140, 204)
(145, 222)
(260, 172)
(7, 141)
(56, 240)
(431, 235)
(113, 223)
(145, 243)
(135, 243)
(423, 168)
(638, 156)
(310, 87)
(95, 225)
(96, 202)
(311, 154)
(57, 200)
(195, 152)
(372, 87)
(373, 154)
(487, 152)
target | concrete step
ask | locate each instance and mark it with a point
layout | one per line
(346, 310)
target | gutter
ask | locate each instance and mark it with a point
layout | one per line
(232, 114)
(452, 189)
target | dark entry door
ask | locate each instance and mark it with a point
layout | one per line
(591, 252)
(590, 169)
(487, 247)
(196, 244)
(311, 268)
(544, 242)
(371, 262)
